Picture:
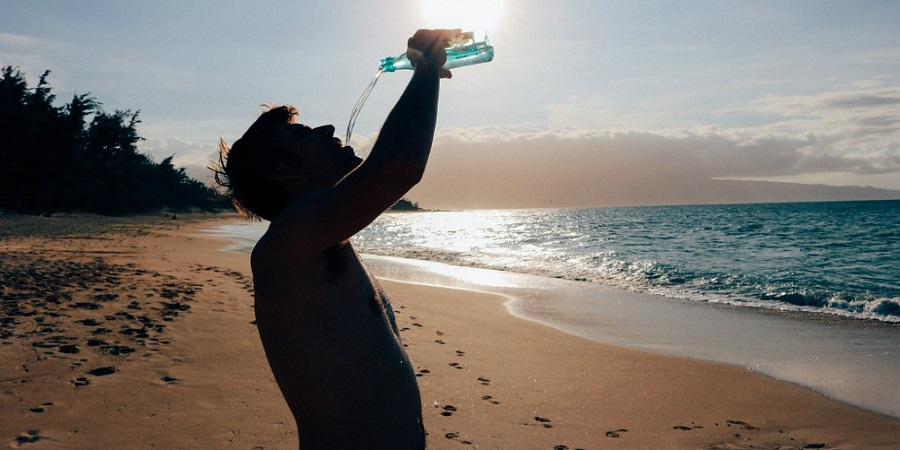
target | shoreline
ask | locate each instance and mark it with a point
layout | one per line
(829, 350)
(243, 239)
(488, 379)
(815, 353)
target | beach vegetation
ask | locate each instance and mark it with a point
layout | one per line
(80, 158)
(405, 204)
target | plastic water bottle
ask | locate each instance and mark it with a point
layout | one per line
(464, 52)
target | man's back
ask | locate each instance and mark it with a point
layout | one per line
(328, 334)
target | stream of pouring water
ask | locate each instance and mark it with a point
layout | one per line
(359, 105)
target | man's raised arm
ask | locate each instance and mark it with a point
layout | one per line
(404, 142)
(320, 219)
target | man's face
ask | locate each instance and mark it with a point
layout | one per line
(317, 156)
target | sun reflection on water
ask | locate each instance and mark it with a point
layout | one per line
(457, 231)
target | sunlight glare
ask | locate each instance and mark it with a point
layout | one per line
(469, 15)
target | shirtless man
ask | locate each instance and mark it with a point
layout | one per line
(326, 325)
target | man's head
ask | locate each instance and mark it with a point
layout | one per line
(277, 160)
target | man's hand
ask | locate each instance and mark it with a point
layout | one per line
(427, 49)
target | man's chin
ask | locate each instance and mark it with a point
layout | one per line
(354, 161)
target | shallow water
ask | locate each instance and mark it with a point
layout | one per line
(840, 258)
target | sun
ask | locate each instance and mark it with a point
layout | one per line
(469, 15)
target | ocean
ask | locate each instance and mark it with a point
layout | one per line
(803, 292)
(838, 258)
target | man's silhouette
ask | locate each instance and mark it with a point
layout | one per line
(326, 325)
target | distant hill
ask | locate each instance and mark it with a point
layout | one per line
(405, 205)
(442, 191)
(735, 191)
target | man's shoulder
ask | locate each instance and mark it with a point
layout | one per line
(271, 254)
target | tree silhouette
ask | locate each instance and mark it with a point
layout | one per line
(53, 159)
(405, 205)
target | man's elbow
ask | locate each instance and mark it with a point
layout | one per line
(399, 173)
(409, 174)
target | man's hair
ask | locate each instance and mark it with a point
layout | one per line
(243, 170)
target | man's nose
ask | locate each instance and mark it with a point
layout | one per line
(325, 131)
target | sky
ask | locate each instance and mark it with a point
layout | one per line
(587, 102)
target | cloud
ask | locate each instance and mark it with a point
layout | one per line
(843, 135)
(17, 40)
(539, 169)
(706, 151)
(861, 123)
(192, 155)
(855, 132)
(832, 138)
(833, 105)
(18, 50)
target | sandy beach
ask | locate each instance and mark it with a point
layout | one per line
(139, 333)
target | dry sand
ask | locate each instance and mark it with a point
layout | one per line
(139, 333)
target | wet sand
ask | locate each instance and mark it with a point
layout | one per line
(139, 333)
(855, 361)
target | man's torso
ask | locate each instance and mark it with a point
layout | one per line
(329, 336)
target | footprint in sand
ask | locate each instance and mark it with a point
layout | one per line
(615, 433)
(448, 410)
(484, 381)
(70, 349)
(103, 371)
(685, 428)
(29, 437)
(86, 305)
(490, 399)
(741, 424)
(455, 365)
(40, 409)
(115, 350)
(543, 421)
(453, 435)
